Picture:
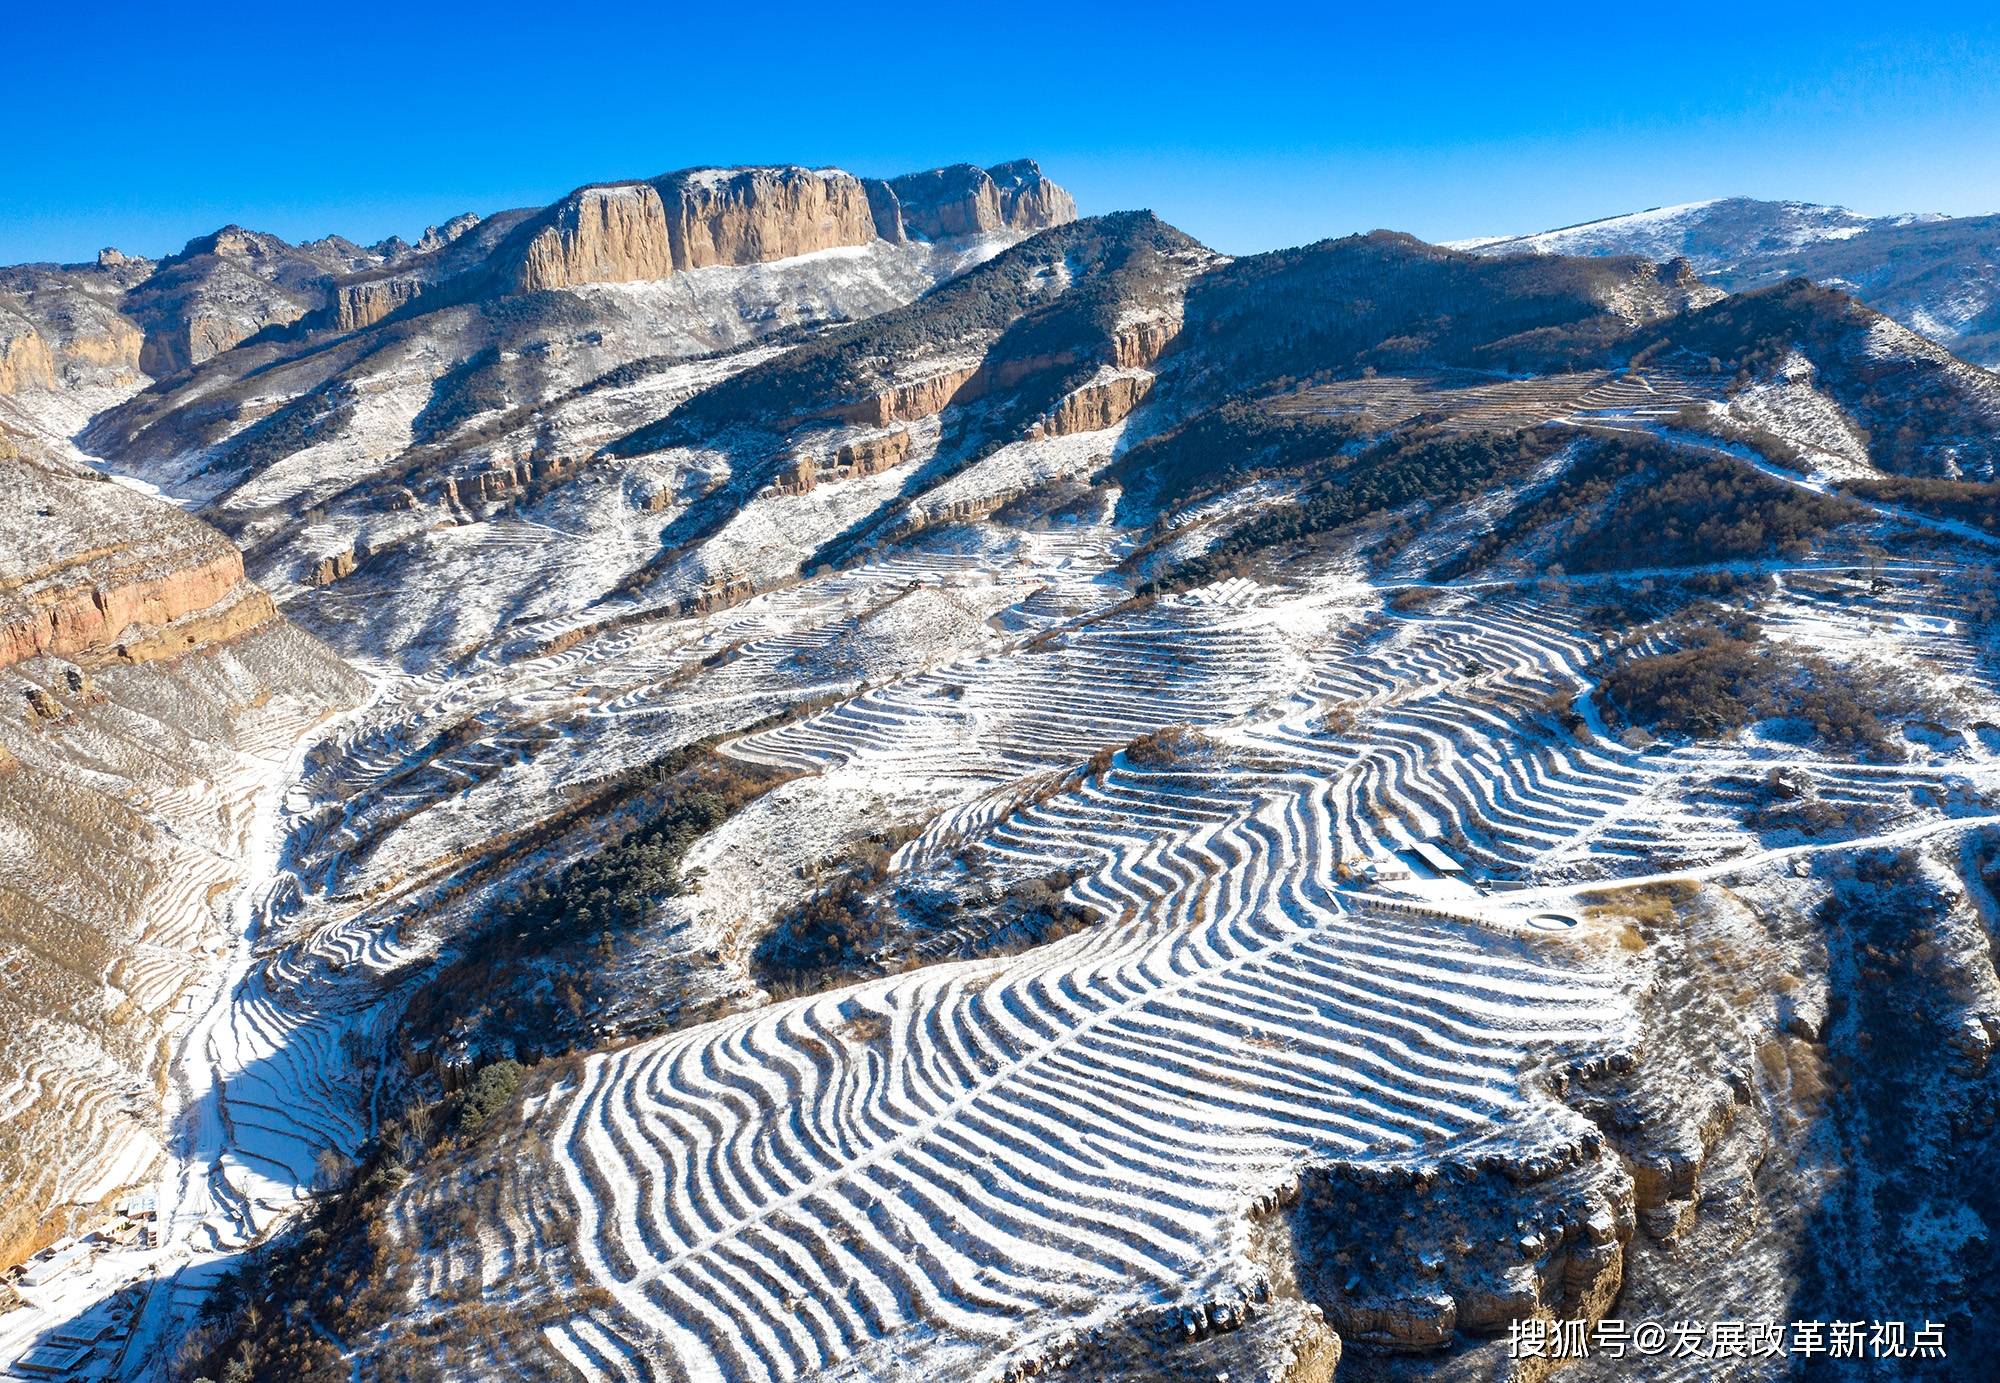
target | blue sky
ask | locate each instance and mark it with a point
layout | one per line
(1250, 126)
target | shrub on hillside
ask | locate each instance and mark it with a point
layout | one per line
(1634, 502)
(1402, 469)
(1724, 676)
(1226, 445)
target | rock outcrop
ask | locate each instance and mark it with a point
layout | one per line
(704, 217)
(1247, 1337)
(25, 360)
(910, 400)
(437, 237)
(615, 234)
(1100, 404)
(364, 302)
(1029, 201)
(863, 456)
(1402, 1259)
(501, 483)
(224, 288)
(61, 328)
(331, 568)
(966, 200)
(96, 572)
(749, 216)
(699, 218)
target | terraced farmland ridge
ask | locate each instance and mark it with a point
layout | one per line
(768, 775)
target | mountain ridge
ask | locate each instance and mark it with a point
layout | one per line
(1938, 275)
(972, 799)
(158, 318)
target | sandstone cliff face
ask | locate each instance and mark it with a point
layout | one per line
(600, 235)
(754, 215)
(93, 571)
(1140, 344)
(367, 301)
(886, 211)
(84, 620)
(25, 360)
(911, 400)
(960, 200)
(331, 568)
(633, 232)
(703, 217)
(501, 483)
(864, 456)
(61, 328)
(965, 200)
(1098, 405)
(1029, 201)
(224, 288)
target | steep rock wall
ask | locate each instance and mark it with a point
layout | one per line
(26, 362)
(761, 214)
(966, 200)
(612, 234)
(97, 572)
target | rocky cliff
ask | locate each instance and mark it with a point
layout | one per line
(964, 200)
(224, 288)
(25, 360)
(751, 215)
(97, 572)
(704, 217)
(75, 339)
(62, 335)
(599, 235)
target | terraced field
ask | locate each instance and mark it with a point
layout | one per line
(966, 1163)
(1468, 402)
(787, 908)
(975, 1146)
(976, 1160)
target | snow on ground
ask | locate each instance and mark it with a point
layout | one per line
(903, 1176)
(1793, 408)
(1661, 226)
(1250, 999)
(249, 1105)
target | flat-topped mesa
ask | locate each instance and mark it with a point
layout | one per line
(747, 216)
(615, 234)
(703, 217)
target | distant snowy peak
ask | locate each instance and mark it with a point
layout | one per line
(1608, 235)
(1711, 234)
(1938, 275)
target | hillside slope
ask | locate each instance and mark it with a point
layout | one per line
(1014, 800)
(1937, 275)
(151, 699)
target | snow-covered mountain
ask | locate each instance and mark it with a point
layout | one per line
(1938, 275)
(764, 775)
